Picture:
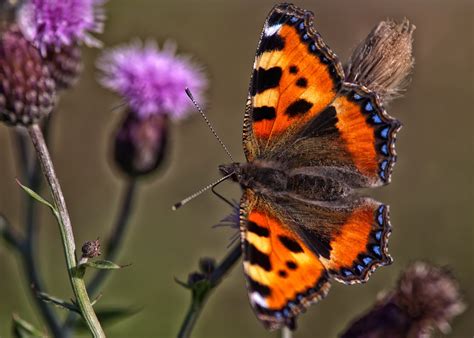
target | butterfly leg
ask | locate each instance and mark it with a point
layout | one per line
(221, 197)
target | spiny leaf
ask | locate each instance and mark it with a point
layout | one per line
(22, 329)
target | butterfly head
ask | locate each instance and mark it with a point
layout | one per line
(231, 168)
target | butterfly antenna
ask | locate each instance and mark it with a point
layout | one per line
(191, 97)
(196, 194)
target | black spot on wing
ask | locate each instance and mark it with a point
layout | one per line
(255, 286)
(291, 265)
(290, 244)
(264, 79)
(298, 107)
(263, 113)
(282, 273)
(323, 124)
(257, 229)
(256, 257)
(302, 82)
(293, 69)
(271, 43)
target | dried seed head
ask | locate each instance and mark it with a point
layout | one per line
(384, 60)
(65, 65)
(91, 249)
(27, 91)
(430, 295)
(140, 143)
(426, 297)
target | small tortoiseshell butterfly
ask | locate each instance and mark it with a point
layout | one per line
(311, 140)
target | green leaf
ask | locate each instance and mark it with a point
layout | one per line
(57, 301)
(35, 195)
(109, 316)
(40, 199)
(102, 265)
(22, 329)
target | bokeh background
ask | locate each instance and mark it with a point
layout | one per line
(431, 195)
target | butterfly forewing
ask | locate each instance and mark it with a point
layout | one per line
(295, 77)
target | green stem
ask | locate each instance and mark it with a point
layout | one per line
(31, 172)
(215, 278)
(67, 236)
(114, 243)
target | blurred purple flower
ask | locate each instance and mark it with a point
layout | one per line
(152, 81)
(57, 23)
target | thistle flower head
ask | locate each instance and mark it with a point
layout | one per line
(56, 23)
(27, 91)
(150, 80)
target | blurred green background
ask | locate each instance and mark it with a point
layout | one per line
(431, 195)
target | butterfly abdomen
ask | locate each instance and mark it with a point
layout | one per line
(318, 188)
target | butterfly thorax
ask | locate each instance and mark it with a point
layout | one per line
(270, 178)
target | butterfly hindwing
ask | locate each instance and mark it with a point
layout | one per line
(291, 252)
(351, 140)
(284, 276)
(367, 132)
(295, 77)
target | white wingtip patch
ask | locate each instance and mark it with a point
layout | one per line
(271, 30)
(256, 298)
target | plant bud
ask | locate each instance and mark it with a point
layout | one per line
(91, 249)
(140, 143)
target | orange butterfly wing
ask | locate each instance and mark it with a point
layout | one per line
(295, 77)
(290, 254)
(284, 276)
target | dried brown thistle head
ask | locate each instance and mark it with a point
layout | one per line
(384, 60)
(426, 297)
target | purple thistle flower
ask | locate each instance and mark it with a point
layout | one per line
(152, 81)
(57, 23)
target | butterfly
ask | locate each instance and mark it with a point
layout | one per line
(311, 141)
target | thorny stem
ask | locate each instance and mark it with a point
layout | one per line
(216, 277)
(114, 243)
(67, 235)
